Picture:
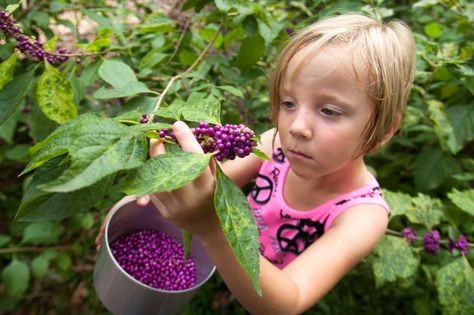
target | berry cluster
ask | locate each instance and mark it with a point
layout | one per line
(408, 234)
(431, 242)
(461, 245)
(229, 141)
(27, 45)
(155, 259)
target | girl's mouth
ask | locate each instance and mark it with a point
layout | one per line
(299, 155)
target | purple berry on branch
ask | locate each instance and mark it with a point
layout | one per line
(228, 141)
(431, 242)
(461, 245)
(408, 234)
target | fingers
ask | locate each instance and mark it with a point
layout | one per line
(143, 200)
(185, 138)
(156, 147)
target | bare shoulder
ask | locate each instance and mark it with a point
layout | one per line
(368, 223)
(242, 170)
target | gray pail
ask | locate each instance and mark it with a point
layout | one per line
(122, 294)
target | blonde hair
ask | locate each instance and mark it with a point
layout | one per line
(386, 50)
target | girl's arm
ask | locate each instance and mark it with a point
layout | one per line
(312, 274)
(303, 282)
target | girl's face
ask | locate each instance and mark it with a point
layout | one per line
(324, 109)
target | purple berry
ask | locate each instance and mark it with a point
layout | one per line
(408, 234)
(431, 242)
(155, 259)
(461, 245)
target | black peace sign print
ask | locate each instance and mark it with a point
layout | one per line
(297, 237)
(278, 156)
(262, 191)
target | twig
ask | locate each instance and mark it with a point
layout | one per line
(32, 249)
(180, 40)
(186, 72)
(446, 242)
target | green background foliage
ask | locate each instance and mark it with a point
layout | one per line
(130, 51)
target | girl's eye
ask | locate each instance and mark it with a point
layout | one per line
(329, 112)
(287, 104)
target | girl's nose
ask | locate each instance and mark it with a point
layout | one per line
(301, 126)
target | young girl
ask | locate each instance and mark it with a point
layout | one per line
(338, 92)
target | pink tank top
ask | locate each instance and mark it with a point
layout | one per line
(286, 232)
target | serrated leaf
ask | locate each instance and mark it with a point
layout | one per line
(58, 141)
(40, 264)
(464, 200)
(6, 70)
(13, 93)
(166, 172)
(55, 95)
(131, 89)
(238, 225)
(150, 126)
(425, 210)
(16, 278)
(173, 111)
(116, 73)
(97, 151)
(398, 202)
(42, 233)
(39, 205)
(204, 109)
(455, 284)
(393, 260)
(432, 167)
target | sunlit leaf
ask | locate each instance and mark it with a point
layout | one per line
(238, 225)
(6, 70)
(463, 199)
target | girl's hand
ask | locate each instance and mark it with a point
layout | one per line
(191, 207)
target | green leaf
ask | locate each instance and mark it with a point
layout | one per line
(16, 278)
(130, 89)
(99, 150)
(202, 109)
(150, 126)
(173, 111)
(6, 70)
(58, 142)
(251, 50)
(455, 284)
(42, 233)
(238, 225)
(187, 238)
(39, 205)
(116, 73)
(425, 210)
(393, 260)
(432, 168)
(40, 264)
(399, 203)
(166, 172)
(433, 29)
(55, 95)
(442, 126)
(261, 154)
(13, 94)
(462, 120)
(231, 90)
(464, 200)
(269, 31)
(152, 58)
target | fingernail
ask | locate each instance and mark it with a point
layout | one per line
(178, 124)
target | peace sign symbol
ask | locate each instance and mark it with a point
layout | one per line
(262, 191)
(278, 156)
(306, 232)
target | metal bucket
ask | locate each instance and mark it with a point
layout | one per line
(122, 294)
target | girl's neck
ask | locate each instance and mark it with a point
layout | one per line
(314, 192)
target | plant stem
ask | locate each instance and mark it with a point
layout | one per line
(32, 249)
(186, 72)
